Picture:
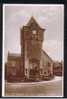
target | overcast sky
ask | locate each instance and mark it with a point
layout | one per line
(50, 17)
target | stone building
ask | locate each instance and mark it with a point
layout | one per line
(33, 63)
(58, 68)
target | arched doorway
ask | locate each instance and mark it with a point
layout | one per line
(34, 69)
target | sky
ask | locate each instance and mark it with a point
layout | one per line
(49, 17)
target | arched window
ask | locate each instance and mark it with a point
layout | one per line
(49, 64)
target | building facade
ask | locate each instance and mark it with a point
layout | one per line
(33, 63)
(58, 68)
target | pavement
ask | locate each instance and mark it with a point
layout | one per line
(52, 88)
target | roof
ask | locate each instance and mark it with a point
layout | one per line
(14, 56)
(32, 20)
(47, 55)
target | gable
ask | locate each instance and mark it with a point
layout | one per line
(33, 24)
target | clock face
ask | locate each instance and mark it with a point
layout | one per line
(34, 32)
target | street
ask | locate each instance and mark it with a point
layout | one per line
(44, 88)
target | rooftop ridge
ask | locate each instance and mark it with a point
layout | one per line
(47, 55)
(34, 20)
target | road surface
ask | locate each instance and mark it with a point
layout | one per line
(53, 88)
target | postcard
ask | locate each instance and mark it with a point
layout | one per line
(33, 53)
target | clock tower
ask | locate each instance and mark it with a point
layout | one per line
(31, 47)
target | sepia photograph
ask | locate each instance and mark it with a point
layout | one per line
(33, 50)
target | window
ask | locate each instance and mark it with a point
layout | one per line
(49, 64)
(45, 72)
